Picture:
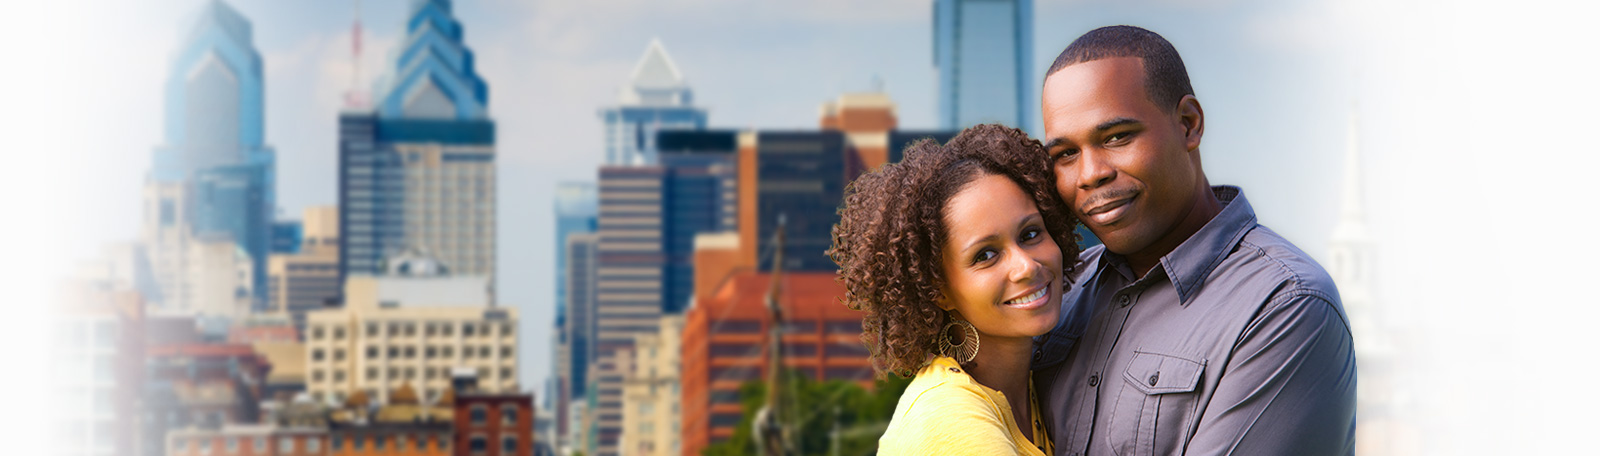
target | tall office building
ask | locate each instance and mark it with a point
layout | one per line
(651, 416)
(576, 335)
(656, 98)
(213, 174)
(416, 172)
(981, 49)
(308, 279)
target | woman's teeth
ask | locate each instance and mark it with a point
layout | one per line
(1029, 298)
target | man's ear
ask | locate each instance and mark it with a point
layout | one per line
(1193, 121)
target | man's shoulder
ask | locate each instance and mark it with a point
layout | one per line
(1263, 250)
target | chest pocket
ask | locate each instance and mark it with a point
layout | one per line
(1155, 408)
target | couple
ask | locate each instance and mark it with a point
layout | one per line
(1192, 330)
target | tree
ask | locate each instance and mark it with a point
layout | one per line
(815, 411)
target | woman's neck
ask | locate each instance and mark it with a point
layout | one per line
(1002, 364)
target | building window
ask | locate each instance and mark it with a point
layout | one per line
(430, 329)
(479, 414)
(313, 445)
(478, 444)
(467, 330)
(336, 443)
(338, 375)
(372, 330)
(505, 352)
(505, 373)
(394, 352)
(358, 443)
(466, 352)
(378, 442)
(286, 444)
(372, 373)
(483, 352)
(411, 329)
(372, 352)
(431, 352)
(316, 354)
(411, 352)
(316, 375)
(508, 445)
(508, 414)
(316, 333)
(232, 445)
(446, 329)
(338, 333)
(338, 354)
(506, 329)
(261, 444)
(205, 446)
(447, 352)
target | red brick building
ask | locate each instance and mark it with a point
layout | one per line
(725, 337)
(493, 424)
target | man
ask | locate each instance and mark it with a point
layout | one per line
(1193, 329)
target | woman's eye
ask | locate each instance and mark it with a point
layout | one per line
(983, 256)
(1030, 234)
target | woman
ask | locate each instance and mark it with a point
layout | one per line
(955, 254)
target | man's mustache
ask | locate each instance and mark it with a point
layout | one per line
(1109, 195)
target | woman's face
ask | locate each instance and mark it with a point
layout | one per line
(1002, 269)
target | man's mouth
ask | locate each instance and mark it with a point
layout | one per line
(1107, 212)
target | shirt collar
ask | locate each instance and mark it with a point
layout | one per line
(1191, 262)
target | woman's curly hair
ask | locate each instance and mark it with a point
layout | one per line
(890, 237)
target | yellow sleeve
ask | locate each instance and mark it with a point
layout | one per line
(950, 418)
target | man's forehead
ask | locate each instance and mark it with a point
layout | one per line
(1083, 95)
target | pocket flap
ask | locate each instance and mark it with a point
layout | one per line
(1155, 373)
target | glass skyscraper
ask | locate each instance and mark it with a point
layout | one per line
(981, 49)
(417, 172)
(213, 175)
(656, 98)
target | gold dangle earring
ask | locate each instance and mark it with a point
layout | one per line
(966, 348)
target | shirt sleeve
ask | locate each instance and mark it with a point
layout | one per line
(1289, 388)
(951, 419)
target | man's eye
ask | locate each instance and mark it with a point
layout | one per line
(1118, 137)
(1066, 154)
(983, 255)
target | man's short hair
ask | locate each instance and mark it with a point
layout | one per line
(1165, 79)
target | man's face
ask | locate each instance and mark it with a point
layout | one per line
(1125, 166)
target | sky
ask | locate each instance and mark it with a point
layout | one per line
(1472, 135)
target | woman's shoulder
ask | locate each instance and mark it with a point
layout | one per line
(941, 386)
(944, 408)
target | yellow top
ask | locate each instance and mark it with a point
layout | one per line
(945, 411)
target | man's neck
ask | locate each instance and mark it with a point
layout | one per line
(1205, 207)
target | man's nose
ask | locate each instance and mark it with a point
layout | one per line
(1093, 169)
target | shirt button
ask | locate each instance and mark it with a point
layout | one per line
(1038, 355)
(1153, 378)
(1094, 380)
(1122, 300)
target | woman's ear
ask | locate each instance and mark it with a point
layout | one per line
(944, 303)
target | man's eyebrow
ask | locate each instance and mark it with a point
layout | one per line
(1113, 123)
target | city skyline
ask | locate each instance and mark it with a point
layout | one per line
(308, 69)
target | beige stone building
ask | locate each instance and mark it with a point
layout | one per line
(650, 393)
(389, 334)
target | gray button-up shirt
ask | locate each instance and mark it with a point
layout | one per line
(1236, 343)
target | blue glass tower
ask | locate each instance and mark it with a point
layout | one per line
(417, 171)
(981, 49)
(213, 143)
(657, 98)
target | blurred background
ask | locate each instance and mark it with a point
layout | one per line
(552, 227)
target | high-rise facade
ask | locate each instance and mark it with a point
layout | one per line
(656, 98)
(981, 49)
(576, 335)
(417, 171)
(307, 280)
(213, 175)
